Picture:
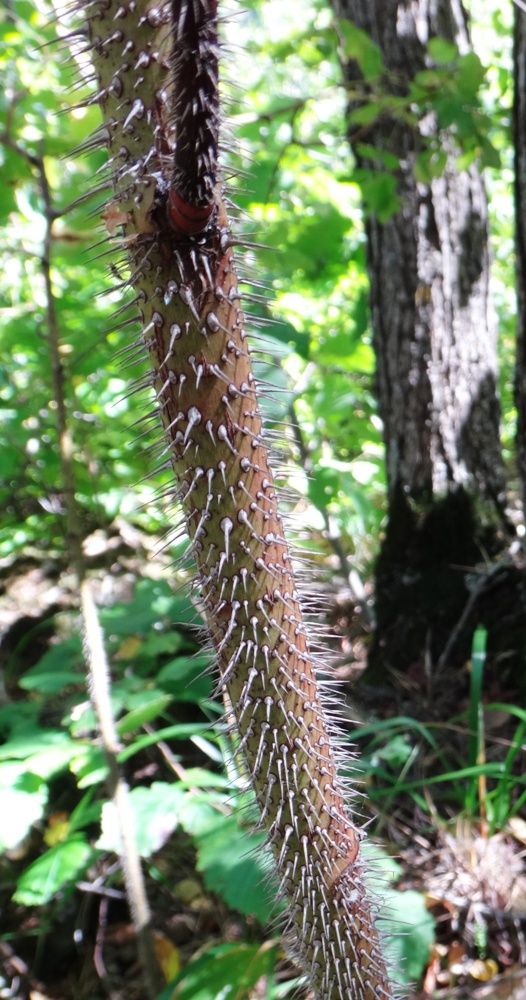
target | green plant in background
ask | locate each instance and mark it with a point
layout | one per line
(487, 791)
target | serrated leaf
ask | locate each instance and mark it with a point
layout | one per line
(233, 863)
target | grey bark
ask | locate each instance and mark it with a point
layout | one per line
(434, 335)
(519, 128)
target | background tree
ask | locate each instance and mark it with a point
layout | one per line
(412, 81)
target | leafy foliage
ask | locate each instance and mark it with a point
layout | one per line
(305, 195)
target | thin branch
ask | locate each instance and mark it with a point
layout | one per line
(94, 647)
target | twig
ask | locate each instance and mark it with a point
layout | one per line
(478, 590)
(94, 648)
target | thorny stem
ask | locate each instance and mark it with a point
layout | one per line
(207, 397)
(94, 648)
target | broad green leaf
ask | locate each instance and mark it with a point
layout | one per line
(199, 777)
(225, 972)
(89, 765)
(187, 678)
(60, 667)
(153, 604)
(378, 155)
(234, 865)
(23, 798)
(230, 856)
(442, 50)
(430, 164)
(155, 812)
(52, 871)
(44, 752)
(410, 932)
(379, 190)
(358, 45)
(470, 75)
(366, 114)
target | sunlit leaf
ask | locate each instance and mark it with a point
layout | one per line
(53, 870)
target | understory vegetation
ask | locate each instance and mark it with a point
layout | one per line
(441, 743)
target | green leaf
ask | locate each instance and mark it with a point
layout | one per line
(179, 731)
(430, 164)
(155, 816)
(366, 114)
(162, 642)
(470, 76)
(358, 45)
(442, 50)
(60, 667)
(187, 678)
(154, 705)
(89, 765)
(323, 486)
(44, 752)
(200, 777)
(410, 932)
(153, 604)
(428, 80)
(233, 862)
(52, 871)
(377, 155)
(24, 798)
(379, 190)
(227, 971)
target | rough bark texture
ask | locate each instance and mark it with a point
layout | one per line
(433, 334)
(435, 346)
(519, 130)
(184, 278)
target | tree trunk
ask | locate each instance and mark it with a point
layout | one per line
(435, 347)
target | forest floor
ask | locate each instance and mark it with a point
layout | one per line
(449, 811)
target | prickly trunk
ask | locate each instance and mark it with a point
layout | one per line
(156, 66)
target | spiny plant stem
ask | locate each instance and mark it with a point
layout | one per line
(183, 273)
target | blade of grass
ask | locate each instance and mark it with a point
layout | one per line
(503, 793)
(495, 769)
(476, 721)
